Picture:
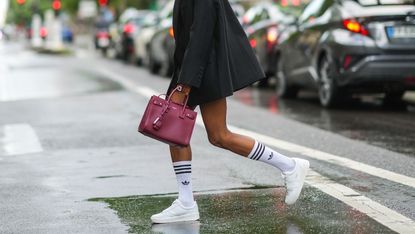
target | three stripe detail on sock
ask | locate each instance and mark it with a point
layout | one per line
(182, 169)
(258, 152)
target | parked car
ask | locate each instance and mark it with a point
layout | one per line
(161, 49)
(263, 37)
(129, 27)
(150, 23)
(350, 46)
(143, 39)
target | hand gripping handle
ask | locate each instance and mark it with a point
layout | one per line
(157, 124)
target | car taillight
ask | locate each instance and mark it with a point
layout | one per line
(272, 35)
(171, 32)
(354, 26)
(43, 32)
(253, 43)
(128, 28)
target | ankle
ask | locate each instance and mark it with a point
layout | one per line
(290, 170)
(187, 203)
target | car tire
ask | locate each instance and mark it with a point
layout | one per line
(104, 52)
(328, 92)
(166, 68)
(138, 61)
(283, 89)
(153, 66)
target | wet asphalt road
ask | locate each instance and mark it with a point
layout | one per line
(363, 118)
(85, 124)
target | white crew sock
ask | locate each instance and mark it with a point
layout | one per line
(183, 170)
(264, 154)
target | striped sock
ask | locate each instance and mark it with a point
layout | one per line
(183, 170)
(264, 154)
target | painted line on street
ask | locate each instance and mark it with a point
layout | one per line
(376, 211)
(17, 139)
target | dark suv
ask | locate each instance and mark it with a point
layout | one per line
(350, 46)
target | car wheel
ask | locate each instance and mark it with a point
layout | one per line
(284, 90)
(104, 52)
(139, 61)
(153, 66)
(166, 68)
(328, 91)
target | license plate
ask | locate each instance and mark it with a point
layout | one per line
(103, 42)
(401, 32)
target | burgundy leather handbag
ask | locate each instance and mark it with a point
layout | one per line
(167, 121)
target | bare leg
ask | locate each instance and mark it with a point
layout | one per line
(214, 117)
(180, 153)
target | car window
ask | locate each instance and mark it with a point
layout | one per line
(315, 9)
(264, 14)
(260, 15)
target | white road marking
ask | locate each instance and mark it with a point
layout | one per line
(378, 212)
(16, 139)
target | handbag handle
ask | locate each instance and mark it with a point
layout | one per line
(157, 122)
(186, 98)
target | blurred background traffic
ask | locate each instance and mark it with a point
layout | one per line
(338, 48)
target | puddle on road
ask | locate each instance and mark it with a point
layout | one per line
(249, 211)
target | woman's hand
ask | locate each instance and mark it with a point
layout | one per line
(180, 95)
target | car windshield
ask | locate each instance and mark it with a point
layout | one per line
(385, 2)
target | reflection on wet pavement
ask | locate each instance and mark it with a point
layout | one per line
(177, 228)
(249, 211)
(366, 120)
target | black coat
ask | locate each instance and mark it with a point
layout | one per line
(213, 54)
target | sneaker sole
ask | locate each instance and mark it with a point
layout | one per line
(183, 218)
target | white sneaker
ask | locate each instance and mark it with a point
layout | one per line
(294, 181)
(177, 213)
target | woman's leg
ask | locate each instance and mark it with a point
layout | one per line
(295, 170)
(184, 208)
(182, 165)
(214, 118)
(180, 154)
